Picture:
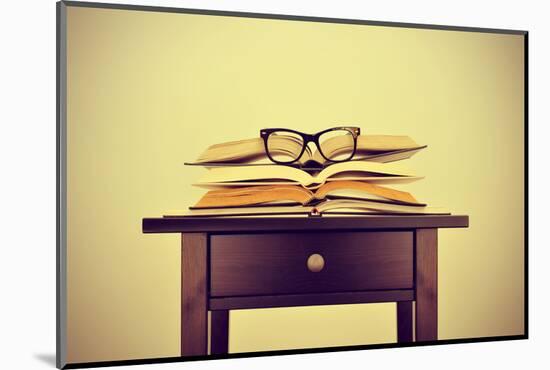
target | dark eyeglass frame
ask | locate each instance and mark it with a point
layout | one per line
(307, 138)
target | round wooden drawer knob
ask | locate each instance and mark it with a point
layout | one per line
(315, 263)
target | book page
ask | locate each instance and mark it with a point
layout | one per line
(357, 188)
(377, 206)
(248, 173)
(214, 212)
(282, 147)
(251, 195)
(233, 150)
(360, 171)
(382, 143)
(254, 149)
(380, 180)
(398, 147)
(361, 166)
(386, 157)
(286, 148)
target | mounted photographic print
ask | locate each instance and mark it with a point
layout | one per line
(236, 184)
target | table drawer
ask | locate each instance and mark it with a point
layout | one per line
(258, 264)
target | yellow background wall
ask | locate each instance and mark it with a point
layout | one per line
(149, 91)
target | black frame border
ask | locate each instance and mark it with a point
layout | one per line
(286, 17)
(61, 146)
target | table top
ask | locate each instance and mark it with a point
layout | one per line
(295, 224)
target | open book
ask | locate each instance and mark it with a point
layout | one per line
(295, 194)
(328, 206)
(375, 148)
(381, 173)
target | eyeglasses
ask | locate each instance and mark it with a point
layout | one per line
(285, 146)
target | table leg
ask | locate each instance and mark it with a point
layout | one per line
(404, 322)
(219, 342)
(193, 294)
(426, 284)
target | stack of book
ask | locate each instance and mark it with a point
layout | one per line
(242, 181)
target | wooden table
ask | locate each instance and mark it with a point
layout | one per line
(245, 263)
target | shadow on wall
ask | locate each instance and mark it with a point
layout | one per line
(47, 358)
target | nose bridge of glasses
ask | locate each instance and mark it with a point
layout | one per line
(310, 143)
(308, 138)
